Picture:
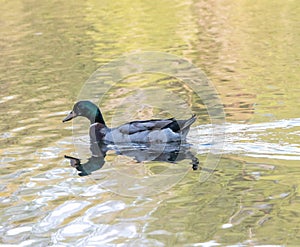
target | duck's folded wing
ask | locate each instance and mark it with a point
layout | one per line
(139, 126)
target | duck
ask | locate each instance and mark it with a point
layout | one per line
(143, 131)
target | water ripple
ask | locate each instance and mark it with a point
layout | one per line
(58, 215)
(248, 139)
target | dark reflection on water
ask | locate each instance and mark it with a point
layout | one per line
(167, 152)
(250, 51)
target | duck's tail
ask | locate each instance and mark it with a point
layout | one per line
(180, 126)
(188, 123)
(185, 125)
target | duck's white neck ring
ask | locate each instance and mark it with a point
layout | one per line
(93, 124)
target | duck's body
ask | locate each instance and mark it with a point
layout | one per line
(152, 131)
(148, 131)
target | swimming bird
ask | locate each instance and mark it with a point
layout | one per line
(146, 131)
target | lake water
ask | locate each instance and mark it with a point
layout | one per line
(249, 51)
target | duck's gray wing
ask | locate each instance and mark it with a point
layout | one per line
(139, 126)
(157, 124)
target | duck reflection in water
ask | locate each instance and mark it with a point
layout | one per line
(166, 152)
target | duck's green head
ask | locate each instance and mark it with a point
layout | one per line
(86, 109)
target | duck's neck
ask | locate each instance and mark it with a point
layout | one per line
(96, 118)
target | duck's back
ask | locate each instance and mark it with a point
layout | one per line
(149, 131)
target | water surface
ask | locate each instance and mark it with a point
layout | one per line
(250, 52)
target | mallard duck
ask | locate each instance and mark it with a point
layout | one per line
(147, 131)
